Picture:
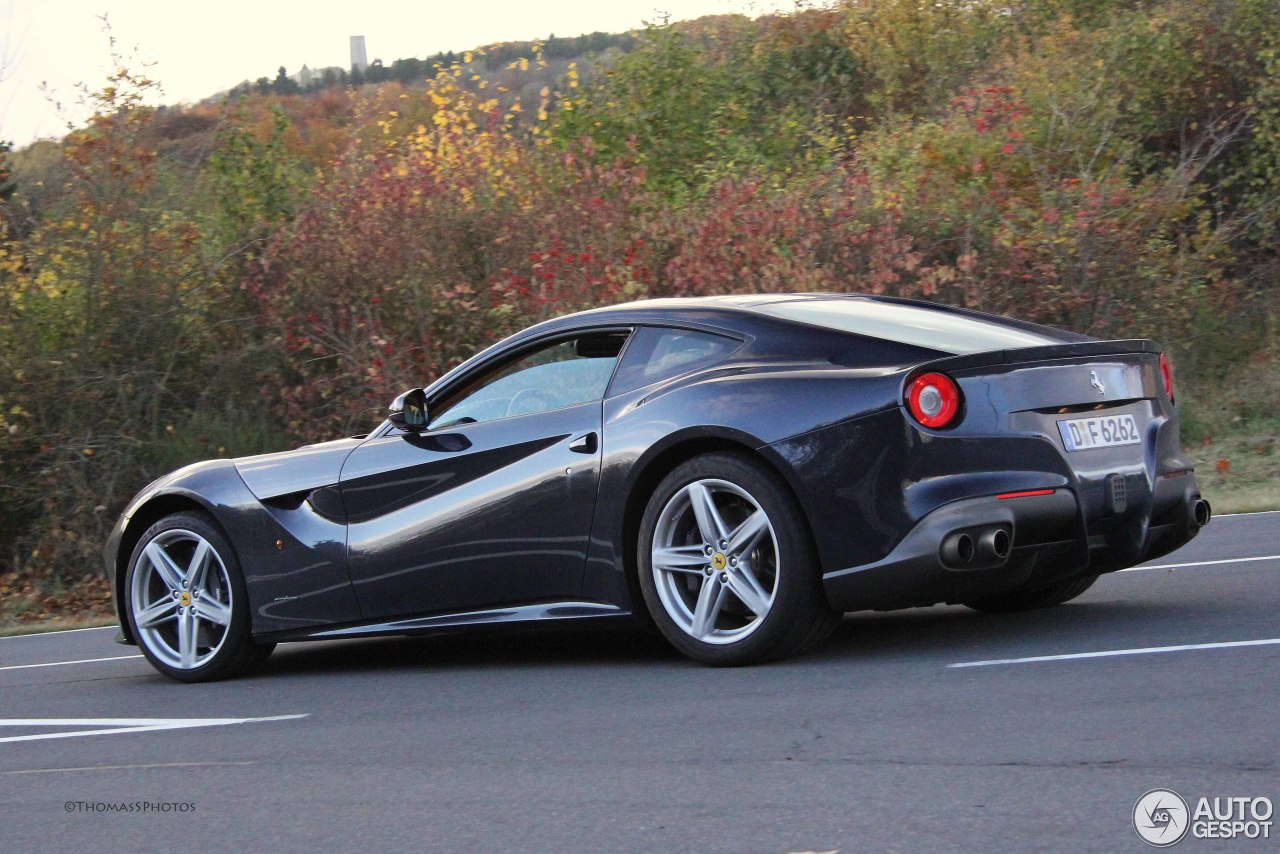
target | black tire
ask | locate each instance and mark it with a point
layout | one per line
(777, 569)
(1040, 597)
(218, 650)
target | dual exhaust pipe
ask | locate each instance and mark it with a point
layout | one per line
(987, 546)
(990, 546)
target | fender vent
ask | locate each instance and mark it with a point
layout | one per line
(288, 501)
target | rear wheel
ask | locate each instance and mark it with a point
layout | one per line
(727, 567)
(186, 602)
(1040, 597)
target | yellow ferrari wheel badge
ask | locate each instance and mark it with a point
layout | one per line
(718, 561)
(184, 599)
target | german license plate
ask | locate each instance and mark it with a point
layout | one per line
(1084, 434)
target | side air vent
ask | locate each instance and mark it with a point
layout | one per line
(288, 501)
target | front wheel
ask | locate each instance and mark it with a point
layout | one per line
(727, 567)
(186, 602)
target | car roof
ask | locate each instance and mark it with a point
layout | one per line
(943, 328)
(755, 314)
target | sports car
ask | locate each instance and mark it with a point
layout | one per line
(735, 472)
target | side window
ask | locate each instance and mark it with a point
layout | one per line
(658, 354)
(562, 374)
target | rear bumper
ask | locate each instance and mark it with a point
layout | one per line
(1048, 540)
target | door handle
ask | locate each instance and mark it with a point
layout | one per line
(584, 444)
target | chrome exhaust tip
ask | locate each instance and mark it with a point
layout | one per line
(995, 544)
(1201, 513)
(957, 549)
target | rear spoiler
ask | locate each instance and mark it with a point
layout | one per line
(1081, 349)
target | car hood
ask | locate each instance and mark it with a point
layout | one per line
(300, 470)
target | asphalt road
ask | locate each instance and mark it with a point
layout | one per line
(603, 742)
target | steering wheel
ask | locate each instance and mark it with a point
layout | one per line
(532, 400)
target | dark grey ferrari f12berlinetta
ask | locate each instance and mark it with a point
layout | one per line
(738, 471)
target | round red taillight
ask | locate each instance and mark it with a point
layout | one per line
(933, 400)
(1167, 373)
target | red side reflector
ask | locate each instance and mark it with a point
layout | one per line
(1026, 493)
(1167, 374)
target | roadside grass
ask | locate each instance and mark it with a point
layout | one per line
(27, 607)
(1239, 473)
(1230, 428)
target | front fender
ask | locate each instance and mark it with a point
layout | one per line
(293, 559)
(199, 485)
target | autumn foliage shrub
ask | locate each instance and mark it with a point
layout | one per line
(112, 340)
(418, 251)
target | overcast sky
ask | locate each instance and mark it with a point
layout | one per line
(200, 48)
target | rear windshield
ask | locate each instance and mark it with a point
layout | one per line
(933, 329)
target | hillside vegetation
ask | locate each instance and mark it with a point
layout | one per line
(238, 276)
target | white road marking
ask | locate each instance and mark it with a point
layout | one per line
(1115, 652)
(147, 767)
(78, 661)
(58, 632)
(114, 726)
(1201, 563)
(1249, 513)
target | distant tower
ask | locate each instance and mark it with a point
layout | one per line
(359, 59)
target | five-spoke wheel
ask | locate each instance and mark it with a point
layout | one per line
(726, 564)
(715, 562)
(186, 601)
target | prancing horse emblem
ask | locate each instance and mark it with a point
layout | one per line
(1097, 383)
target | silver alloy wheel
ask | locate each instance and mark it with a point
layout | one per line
(715, 561)
(181, 599)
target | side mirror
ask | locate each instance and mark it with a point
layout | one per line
(409, 411)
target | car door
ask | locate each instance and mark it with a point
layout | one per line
(492, 504)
